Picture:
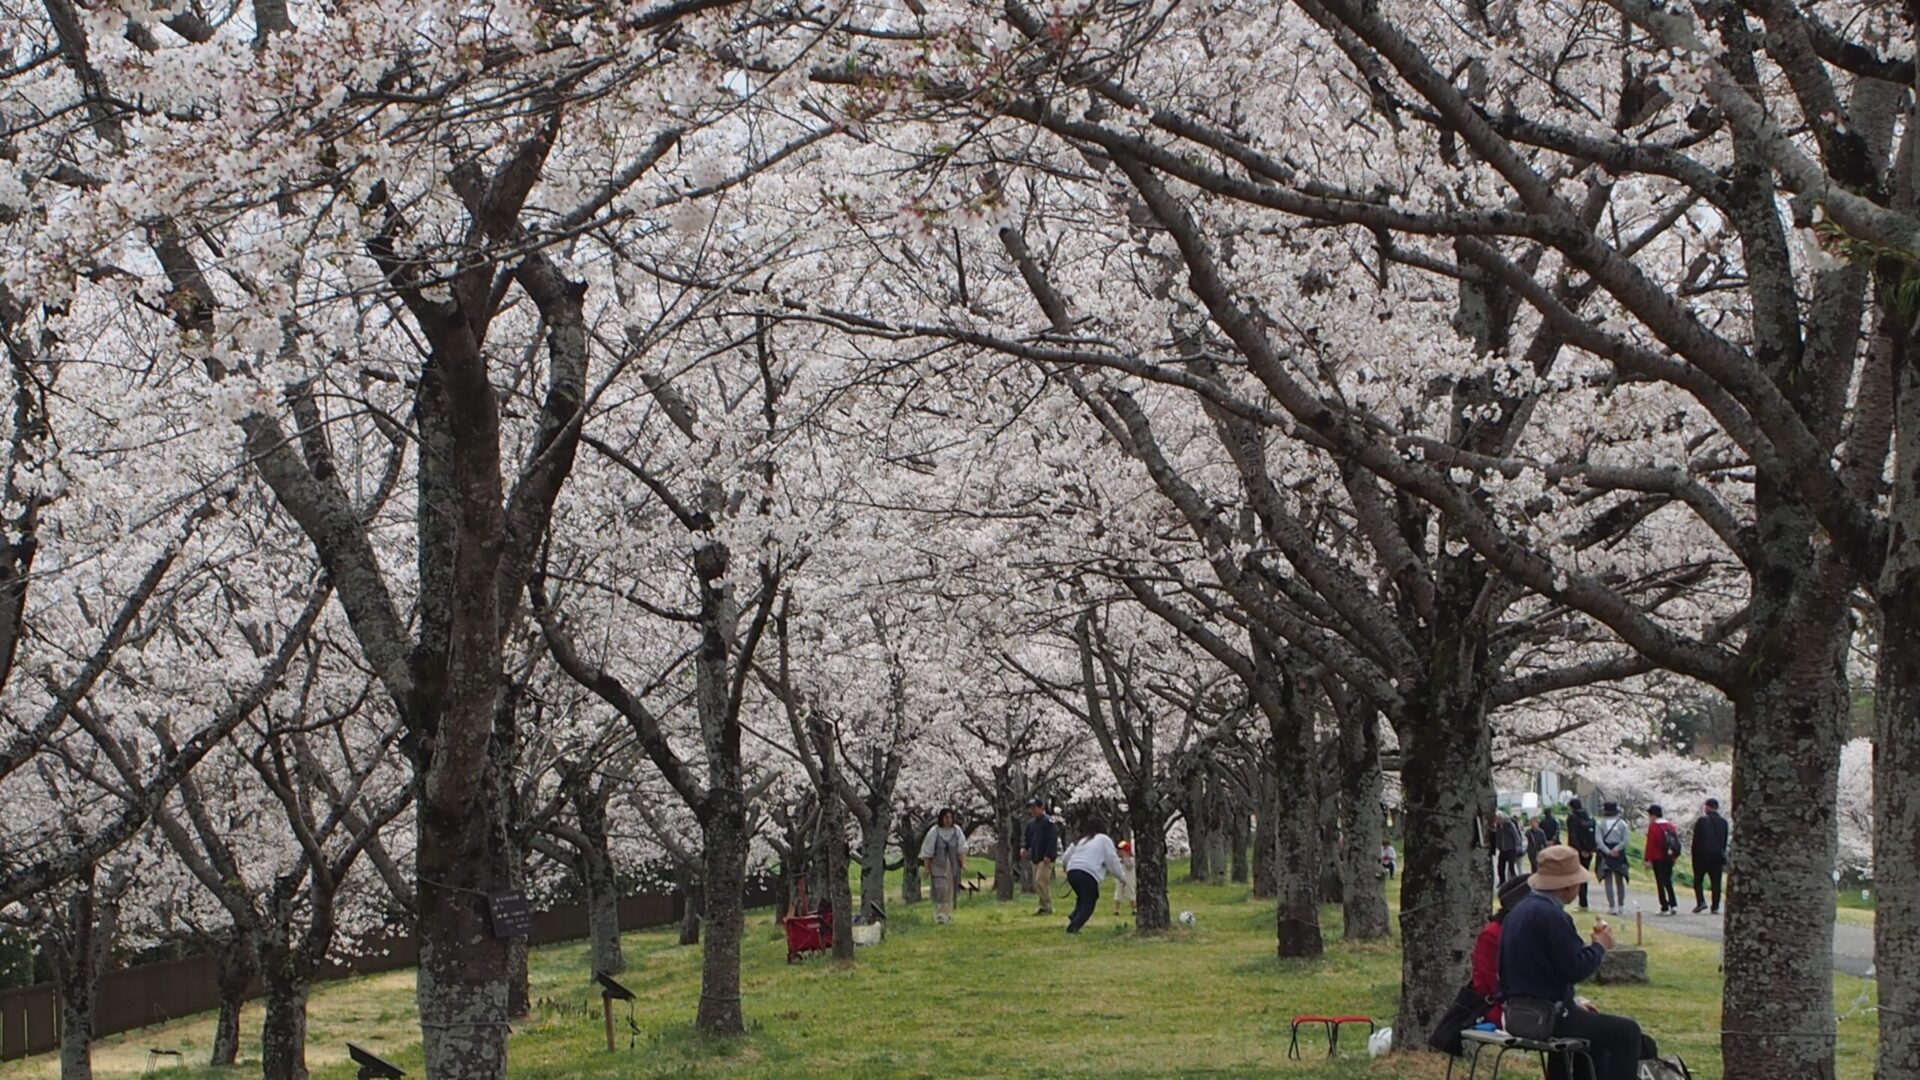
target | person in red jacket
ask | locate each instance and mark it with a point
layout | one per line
(1486, 948)
(1663, 849)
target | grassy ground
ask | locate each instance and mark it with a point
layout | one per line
(998, 993)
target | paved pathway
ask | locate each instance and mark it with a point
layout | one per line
(1852, 945)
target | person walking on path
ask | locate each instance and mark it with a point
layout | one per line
(1709, 855)
(1040, 843)
(1088, 862)
(1536, 843)
(1580, 836)
(1550, 825)
(1663, 850)
(943, 854)
(1542, 957)
(1612, 834)
(1508, 845)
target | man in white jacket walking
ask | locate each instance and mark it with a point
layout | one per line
(1088, 863)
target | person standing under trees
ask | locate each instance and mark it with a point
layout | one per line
(1536, 843)
(1123, 897)
(1550, 826)
(1613, 857)
(1580, 836)
(1088, 863)
(943, 854)
(1507, 844)
(1040, 843)
(1663, 850)
(1709, 855)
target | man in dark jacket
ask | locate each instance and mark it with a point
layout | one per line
(1542, 957)
(1041, 843)
(1508, 845)
(1550, 825)
(1709, 855)
(1580, 836)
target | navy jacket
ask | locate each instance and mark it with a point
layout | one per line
(1541, 954)
(1041, 839)
(1710, 840)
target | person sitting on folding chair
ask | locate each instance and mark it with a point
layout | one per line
(1542, 957)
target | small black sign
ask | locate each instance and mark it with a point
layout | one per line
(510, 914)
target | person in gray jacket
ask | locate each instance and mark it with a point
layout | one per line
(944, 855)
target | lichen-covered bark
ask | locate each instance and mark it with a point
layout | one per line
(1777, 1009)
(1896, 822)
(238, 959)
(908, 828)
(1295, 764)
(724, 835)
(1362, 824)
(1149, 867)
(283, 1029)
(1790, 714)
(461, 985)
(1265, 836)
(873, 859)
(1445, 892)
(1896, 747)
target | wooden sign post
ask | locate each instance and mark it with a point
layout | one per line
(610, 991)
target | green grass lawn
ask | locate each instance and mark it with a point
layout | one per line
(998, 993)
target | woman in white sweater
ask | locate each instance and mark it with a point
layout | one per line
(1088, 863)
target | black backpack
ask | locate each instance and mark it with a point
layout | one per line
(1671, 843)
(1580, 832)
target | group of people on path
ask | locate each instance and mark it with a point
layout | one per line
(1602, 846)
(1512, 838)
(1087, 863)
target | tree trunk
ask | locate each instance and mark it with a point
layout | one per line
(1149, 867)
(462, 980)
(724, 835)
(1007, 831)
(1362, 825)
(76, 1029)
(693, 906)
(1896, 746)
(239, 961)
(840, 893)
(1896, 809)
(873, 859)
(1198, 827)
(1333, 884)
(1789, 725)
(1216, 835)
(77, 945)
(603, 912)
(1266, 880)
(1446, 889)
(1297, 826)
(283, 1030)
(906, 826)
(1240, 874)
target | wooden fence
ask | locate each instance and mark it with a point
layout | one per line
(154, 993)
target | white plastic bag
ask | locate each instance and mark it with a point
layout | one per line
(1380, 1042)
